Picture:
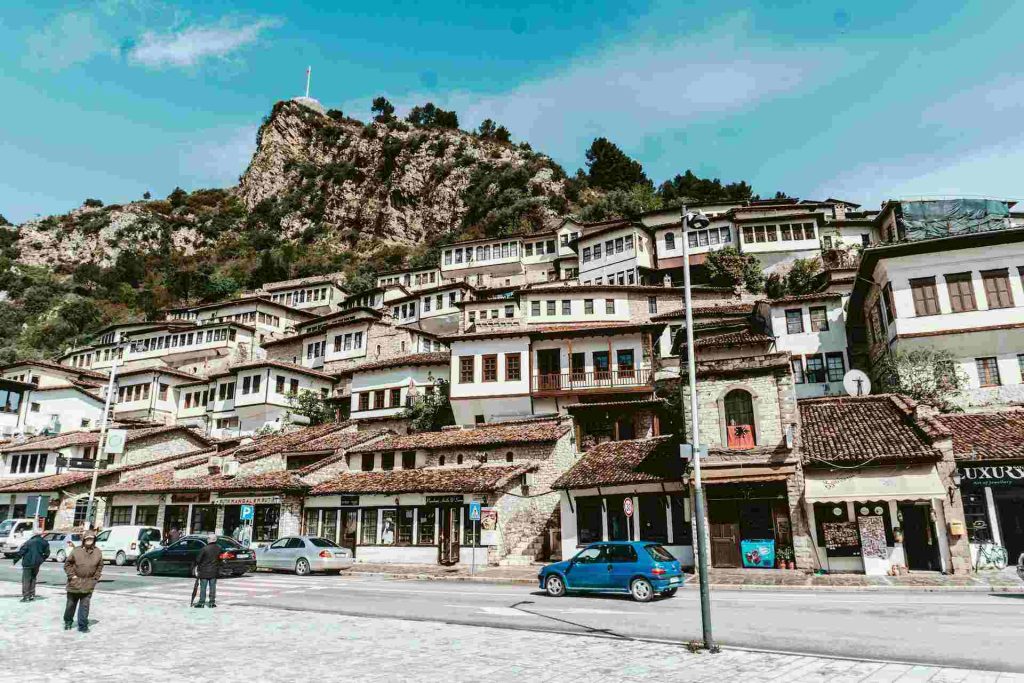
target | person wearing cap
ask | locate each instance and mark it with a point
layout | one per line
(207, 570)
(32, 554)
(83, 567)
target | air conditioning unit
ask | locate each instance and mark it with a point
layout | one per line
(6, 431)
(530, 479)
(230, 468)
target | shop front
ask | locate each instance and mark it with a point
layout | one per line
(408, 528)
(878, 520)
(993, 497)
(749, 525)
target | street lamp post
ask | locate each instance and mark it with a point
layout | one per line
(698, 489)
(102, 445)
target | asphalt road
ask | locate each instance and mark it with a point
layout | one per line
(974, 630)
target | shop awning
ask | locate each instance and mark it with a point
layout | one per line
(917, 482)
(760, 472)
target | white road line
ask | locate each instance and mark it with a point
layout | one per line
(495, 611)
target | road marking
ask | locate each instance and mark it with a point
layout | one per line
(496, 611)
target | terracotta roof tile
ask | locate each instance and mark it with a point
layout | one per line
(986, 436)
(738, 338)
(482, 479)
(797, 298)
(93, 437)
(82, 372)
(273, 444)
(705, 311)
(412, 360)
(624, 462)
(485, 436)
(279, 364)
(165, 481)
(869, 428)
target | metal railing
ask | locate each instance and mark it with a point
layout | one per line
(574, 381)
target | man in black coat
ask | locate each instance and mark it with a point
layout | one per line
(32, 554)
(207, 570)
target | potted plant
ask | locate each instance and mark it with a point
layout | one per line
(784, 558)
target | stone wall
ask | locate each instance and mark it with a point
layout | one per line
(288, 352)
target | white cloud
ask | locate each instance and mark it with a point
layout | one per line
(71, 38)
(193, 44)
(215, 158)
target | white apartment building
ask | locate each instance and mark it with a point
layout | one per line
(812, 328)
(385, 388)
(616, 253)
(412, 280)
(318, 294)
(13, 406)
(269, 318)
(961, 293)
(149, 394)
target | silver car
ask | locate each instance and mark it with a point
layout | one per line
(62, 543)
(304, 555)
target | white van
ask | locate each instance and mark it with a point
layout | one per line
(14, 533)
(121, 544)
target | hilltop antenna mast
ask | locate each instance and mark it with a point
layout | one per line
(309, 71)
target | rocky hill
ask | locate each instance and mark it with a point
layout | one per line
(327, 179)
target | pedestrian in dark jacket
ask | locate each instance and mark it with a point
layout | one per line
(207, 570)
(83, 567)
(32, 554)
(173, 535)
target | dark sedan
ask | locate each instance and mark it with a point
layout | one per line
(180, 557)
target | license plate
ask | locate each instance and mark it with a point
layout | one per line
(244, 556)
(674, 579)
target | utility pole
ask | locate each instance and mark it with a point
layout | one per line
(309, 72)
(698, 489)
(102, 445)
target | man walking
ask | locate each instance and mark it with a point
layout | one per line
(32, 554)
(83, 567)
(207, 570)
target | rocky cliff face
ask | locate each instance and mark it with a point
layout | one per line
(336, 181)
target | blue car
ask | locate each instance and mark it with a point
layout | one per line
(641, 568)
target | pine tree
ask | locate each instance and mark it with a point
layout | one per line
(610, 168)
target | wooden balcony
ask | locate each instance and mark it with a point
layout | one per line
(592, 382)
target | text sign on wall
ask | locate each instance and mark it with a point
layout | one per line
(993, 475)
(445, 499)
(252, 500)
(348, 500)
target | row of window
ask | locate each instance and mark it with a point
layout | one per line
(602, 518)
(251, 384)
(960, 287)
(393, 398)
(250, 318)
(27, 463)
(483, 253)
(489, 368)
(409, 279)
(315, 349)
(817, 369)
(510, 312)
(611, 247)
(772, 233)
(171, 341)
(348, 341)
(701, 238)
(438, 303)
(10, 401)
(565, 308)
(387, 460)
(301, 296)
(135, 392)
(623, 277)
(795, 320)
(403, 526)
(539, 248)
(988, 370)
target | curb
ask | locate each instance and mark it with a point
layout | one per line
(435, 577)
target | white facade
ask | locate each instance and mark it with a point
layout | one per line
(413, 280)
(558, 305)
(388, 391)
(615, 256)
(814, 333)
(67, 408)
(501, 397)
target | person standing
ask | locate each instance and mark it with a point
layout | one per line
(32, 554)
(207, 570)
(173, 535)
(83, 567)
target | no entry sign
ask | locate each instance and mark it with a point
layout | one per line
(627, 506)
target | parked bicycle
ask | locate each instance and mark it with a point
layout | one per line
(990, 556)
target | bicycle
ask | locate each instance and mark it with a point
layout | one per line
(990, 556)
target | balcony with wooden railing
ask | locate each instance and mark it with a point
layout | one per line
(622, 379)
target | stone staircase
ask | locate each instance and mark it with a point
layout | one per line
(529, 545)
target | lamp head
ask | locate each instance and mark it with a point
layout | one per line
(697, 220)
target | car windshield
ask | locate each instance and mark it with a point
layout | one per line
(323, 543)
(659, 554)
(6, 526)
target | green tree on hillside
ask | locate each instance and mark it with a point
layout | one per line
(692, 188)
(431, 116)
(382, 110)
(727, 267)
(609, 168)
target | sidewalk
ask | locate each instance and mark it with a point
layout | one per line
(1005, 581)
(133, 639)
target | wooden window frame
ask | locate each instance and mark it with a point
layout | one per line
(960, 287)
(925, 295)
(489, 367)
(995, 276)
(984, 377)
(513, 367)
(464, 372)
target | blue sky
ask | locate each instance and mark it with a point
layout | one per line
(864, 101)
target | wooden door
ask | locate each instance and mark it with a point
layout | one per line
(448, 543)
(349, 523)
(725, 544)
(549, 369)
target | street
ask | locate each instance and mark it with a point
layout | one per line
(972, 630)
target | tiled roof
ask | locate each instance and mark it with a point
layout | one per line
(165, 481)
(797, 298)
(868, 428)
(273, 444)
(491, 435)
(482, 479)
(986, 436)
(412, 360)
(313, 279)
(704, 311)
(49, 364)
(279, 364)
(739, 338)
(93, 437)
(338, 440)
(641, 403)
(163, 371)
(624, 462)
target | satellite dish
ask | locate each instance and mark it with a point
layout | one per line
(856, 383)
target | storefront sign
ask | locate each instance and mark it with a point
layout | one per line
(190, 497)
(489, 526)
(993, 475)
(758, 552)
(251, 500)
(444, 499)
(348, 500)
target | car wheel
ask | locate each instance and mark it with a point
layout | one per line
(302, 567)
(555, 586)
(669, 593)
(641, 590)
(120, 559)
(62, 556)
(146, 568)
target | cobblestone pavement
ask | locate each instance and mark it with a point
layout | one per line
(135, 639)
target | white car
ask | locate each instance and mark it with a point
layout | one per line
(14, 533)
(62, 543)
(124, 544)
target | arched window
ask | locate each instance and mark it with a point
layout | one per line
(739, 419)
